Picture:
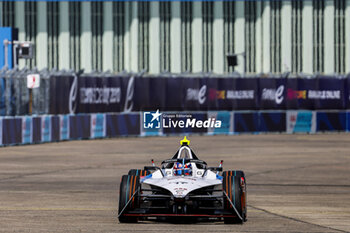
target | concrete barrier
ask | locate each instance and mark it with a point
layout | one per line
(53, 128)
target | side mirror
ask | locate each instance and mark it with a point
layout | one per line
(215, 169)
(153, 168)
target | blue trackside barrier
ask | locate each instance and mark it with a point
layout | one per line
(227, 122)
(36, 129)
(79, 126)
(247, 122)
(301, 122)
(331, 121)
(272, 122)
(55, 128)
(52, 128)
(347, 121)
(11, 130)
(98, 129)
(122, 125)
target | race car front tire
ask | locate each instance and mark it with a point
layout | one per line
(128, 186)
(235, 188)
(233, 173)
(138, 172)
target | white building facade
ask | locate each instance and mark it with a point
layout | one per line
(308, 36)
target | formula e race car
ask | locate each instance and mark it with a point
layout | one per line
(183, 188)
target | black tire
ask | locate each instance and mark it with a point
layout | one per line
(240, 173)
(128, 186)
(235, 188)
(138, 172)
(233, 173)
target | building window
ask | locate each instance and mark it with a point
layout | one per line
(74, 34)
(297, 33)
(52, 33)
(208, 18)
(186, 36)
(318, 35)
(119, 31)
(165, 18)
(97, 33)
(275, 36)
(229, 21)
(143, 33)
(250, 45)
(8, 14)
(30, 14)
(339, 36)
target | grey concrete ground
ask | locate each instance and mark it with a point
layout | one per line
(296, 183)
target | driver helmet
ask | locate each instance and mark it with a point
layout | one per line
(179, 169)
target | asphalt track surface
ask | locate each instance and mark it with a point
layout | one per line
(296, 183)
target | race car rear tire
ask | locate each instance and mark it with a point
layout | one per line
(138, 172)
(128, 186)
(235, 188)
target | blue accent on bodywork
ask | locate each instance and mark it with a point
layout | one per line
(145, 178)
(219, 177)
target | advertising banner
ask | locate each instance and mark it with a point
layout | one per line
(46, 128)
(245, 93)
(331, 121)
(330, 93)
(221, 94)
(99, 94)
(142, 95)
(98, 129)
(232, 93)
(347, 92)
(174, 94)
(226, 119)
(273, 93)
(63, 94)
(11, 131)
(216, 94)
(297, 93)
(194, 94)
(301, 122)
(150, 93)
(158, 94)
(27, 132)
(64, 127)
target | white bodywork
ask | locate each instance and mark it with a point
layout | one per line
(182, 185)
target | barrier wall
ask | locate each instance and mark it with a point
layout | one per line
(91, 94)
(70, 93)
(52, 128)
